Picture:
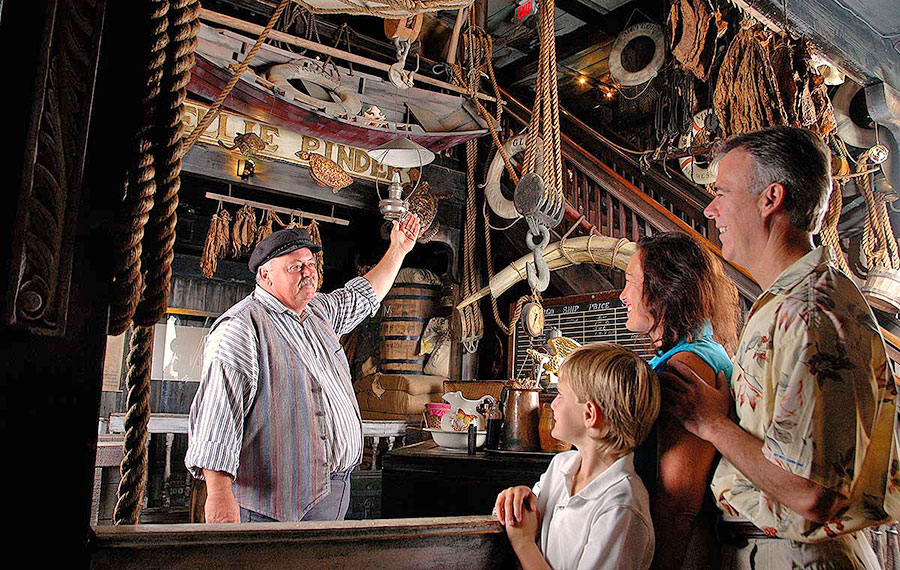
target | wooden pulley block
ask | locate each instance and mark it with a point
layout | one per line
(532, 199)
(529, 195)
(404, 29)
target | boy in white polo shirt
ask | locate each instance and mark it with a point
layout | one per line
(592, 508)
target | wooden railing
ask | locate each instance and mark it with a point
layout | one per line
(474, 543)
(617, 199)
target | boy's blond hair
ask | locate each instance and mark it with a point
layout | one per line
(622, 386)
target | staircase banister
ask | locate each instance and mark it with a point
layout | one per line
(639, 201)
(696, 201)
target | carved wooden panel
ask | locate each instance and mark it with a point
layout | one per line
(37, 297)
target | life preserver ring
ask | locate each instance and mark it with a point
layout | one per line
(847, 130)
(497, 202)
(310, 70)
(698, 174)
(631, 78)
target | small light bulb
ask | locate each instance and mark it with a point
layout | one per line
(582, 80)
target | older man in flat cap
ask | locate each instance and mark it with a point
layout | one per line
(275, 428)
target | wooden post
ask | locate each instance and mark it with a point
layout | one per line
(453, 47)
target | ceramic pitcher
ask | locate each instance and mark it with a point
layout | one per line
(463, 412)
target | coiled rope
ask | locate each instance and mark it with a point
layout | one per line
(879, 244)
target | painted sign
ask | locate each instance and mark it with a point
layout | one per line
(281, 144)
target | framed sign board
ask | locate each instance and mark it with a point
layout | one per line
(589, 318)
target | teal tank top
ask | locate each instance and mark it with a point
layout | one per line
(710, 351)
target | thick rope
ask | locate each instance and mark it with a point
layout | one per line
(174, 32)
(473, 325)
(829, 231)
(159, 238)
(879, 244)
(134, 464)
(483, 43)
(490, 267)
(140, 183)
(226, 91)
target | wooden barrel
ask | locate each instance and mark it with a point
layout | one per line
(406, 310)
(882, 289)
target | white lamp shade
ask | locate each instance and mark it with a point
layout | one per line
(402, 153)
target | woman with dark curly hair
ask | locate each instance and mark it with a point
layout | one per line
(676, 291)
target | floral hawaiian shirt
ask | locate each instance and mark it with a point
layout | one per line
(812, 382)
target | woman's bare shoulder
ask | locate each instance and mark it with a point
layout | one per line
(695, 363)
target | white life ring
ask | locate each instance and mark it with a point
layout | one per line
(688, 164)
(498, 203)
(847, 130)
(309, 70)
(631, 78)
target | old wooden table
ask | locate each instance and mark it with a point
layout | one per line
(423, 480)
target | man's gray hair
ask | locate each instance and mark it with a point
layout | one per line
(796, 158)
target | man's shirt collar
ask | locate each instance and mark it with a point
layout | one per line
(800, 269)
(273, 304)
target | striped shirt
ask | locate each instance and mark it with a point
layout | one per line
(275, 408)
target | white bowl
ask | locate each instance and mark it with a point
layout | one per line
(456, 439)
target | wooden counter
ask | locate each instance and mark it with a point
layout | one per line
(423, 480)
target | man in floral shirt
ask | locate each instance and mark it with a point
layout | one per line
(813, 456)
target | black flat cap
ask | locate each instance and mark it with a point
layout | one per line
(280, 243)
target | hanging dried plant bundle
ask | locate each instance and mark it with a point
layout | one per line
(223, 234)
(695, 29)
(243, 233)
(217, 239)
(265, 228)
(803, 90)
(751, 94)
(747, 97)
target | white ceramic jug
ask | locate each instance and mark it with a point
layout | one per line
(463, 412)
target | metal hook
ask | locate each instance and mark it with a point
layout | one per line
(538, 272)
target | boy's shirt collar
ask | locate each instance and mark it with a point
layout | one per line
(621, 468)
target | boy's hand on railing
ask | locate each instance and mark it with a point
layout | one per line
(512, 504)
